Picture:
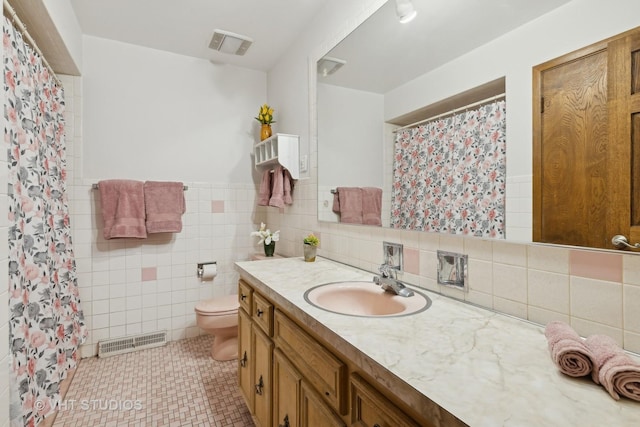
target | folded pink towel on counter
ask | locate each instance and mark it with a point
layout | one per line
(277, 188)
(165, 204)
(265, 189)
(616, 371)
(568, 351)
(372, 206)
(122, 208)
(350, 204)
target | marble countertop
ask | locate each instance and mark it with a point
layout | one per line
(485, 368)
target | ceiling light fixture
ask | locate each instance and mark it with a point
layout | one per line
(405, 11)
(328, 65)
(228, 42)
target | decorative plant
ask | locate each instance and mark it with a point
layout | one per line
(265, 115)
(312, 240)
(265, 235)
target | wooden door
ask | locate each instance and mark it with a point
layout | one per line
(570, 162)
(286, 391)
(624, 122)
(582, 146)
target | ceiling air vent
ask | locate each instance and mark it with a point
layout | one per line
(228, 42)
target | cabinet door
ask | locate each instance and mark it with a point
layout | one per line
(370, 408)
(262, 354)
(286, 391)
(245, 356)
(314, 412)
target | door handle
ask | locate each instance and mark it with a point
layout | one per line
(620, 242)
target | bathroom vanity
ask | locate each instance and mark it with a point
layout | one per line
(453, 364)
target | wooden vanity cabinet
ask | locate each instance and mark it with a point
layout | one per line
(263, 374)
(255, 353)
(291, 379)
(246, 359)
(369, 408)
(286, 391)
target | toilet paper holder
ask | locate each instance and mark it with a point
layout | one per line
(201, 267)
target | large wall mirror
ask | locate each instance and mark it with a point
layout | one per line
(366, 90)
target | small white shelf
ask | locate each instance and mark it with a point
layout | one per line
(279, 149)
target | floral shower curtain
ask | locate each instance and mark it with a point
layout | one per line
(45, 321)
(449, 174)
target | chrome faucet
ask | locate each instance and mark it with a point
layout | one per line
(389, 282)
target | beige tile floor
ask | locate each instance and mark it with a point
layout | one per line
(175, 385)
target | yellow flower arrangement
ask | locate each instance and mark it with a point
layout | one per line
(265, 115)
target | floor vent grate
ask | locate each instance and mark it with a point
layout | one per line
(133, 343)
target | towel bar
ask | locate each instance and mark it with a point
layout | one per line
(95, 187)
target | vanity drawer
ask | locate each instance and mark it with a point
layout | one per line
(245, 296)
(263, 314)
(316, 364)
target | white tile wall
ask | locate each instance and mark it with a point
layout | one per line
(119, 300)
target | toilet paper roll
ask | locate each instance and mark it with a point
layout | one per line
(210, 271)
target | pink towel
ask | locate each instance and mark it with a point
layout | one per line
(350, 204)
(568, 350)
(288, 187)
(122, 208)
(265, 189)
(277, 188)
(613, 368)
(336, 203)
(371, 206)
(164, 202)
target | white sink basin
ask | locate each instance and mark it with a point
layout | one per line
(364, 299)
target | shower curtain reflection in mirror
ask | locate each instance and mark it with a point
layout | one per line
(449, 174)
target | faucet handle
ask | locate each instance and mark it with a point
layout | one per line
(384, 270)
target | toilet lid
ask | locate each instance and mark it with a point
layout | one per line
(218, 306)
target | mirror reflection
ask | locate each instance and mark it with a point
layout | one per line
(360, 139)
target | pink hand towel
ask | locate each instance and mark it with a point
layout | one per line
(568, 350)
(371, 206)
(122, 208)
(277, 188)
(336, 203)
(288, 187)
(164, 202)
(265, 189)
(613, 368)
(350, 204)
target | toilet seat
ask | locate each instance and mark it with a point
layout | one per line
(222, 306)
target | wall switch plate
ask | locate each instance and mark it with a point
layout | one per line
(392, 255)
(304, 160)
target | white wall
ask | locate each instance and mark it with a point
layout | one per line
(150, 114)
(64, 18)
(351, 128)
(535, 282)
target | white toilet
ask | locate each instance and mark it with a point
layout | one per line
(219, 317)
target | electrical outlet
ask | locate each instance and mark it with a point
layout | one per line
(303, 163)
